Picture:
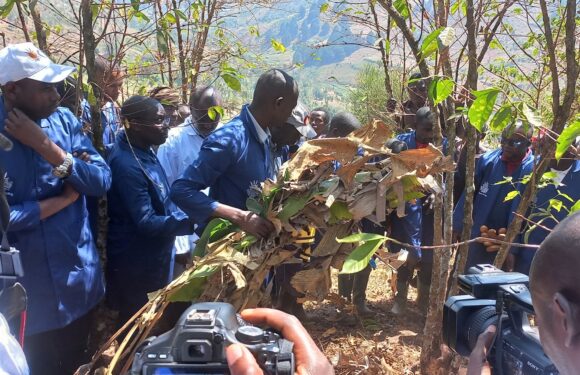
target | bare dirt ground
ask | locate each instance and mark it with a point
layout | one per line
(385, 344)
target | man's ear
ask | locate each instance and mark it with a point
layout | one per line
(279, 101)
(569, 315)
(9, 91)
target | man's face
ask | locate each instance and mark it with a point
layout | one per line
(173, 114)
(113, 85)
(317, 119)
(36, 99)
(152, 127)
(283, 109)
(285, 135)
(515, 145)
(204, 124)
(424, 131)
(417, 91)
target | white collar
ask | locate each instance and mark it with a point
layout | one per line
(263, 135)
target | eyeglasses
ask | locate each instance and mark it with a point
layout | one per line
(514, 142)
(161, 120)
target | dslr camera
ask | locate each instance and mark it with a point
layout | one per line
(501, 298)
(197, 343)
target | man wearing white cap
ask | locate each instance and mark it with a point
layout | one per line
(46, 185)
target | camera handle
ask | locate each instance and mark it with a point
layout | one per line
(499, 307)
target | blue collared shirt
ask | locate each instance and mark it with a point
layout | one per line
(143, 221)
(110, 120)
(62, 277)
(231, 159)
(489, 207)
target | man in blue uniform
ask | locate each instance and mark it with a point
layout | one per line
(564, 188)
(46, 188)
(180, 151)
(143, 222)
(513, 160)
(236, 156)
(420, 138)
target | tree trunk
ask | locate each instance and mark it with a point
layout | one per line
(38, 27)
(22, 21)
(181, 56)
(382, 48)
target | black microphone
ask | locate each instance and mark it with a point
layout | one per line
(5, 143)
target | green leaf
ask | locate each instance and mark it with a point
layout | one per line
(232, 81)
(254, 206)
(575, 207)
(338, 212)
(549, 176)
(324, 8)
(511, 195)
(170, 18)
(455, 6)
(215, 229)
(254, 31)
(446, 37)
(568, 137)
(482, 107)
(180, 15)
(440, 89)
(193, 288)
(402, 7)
(293, 205)
(361, 237)
(141, 16)
(429, 45)
(506, 180)
(531, 116)
(7, 8)
(214, 111)
(556, 204)
(359, 259)
(135, 4)
(162, 42)
(278, 46)
(501, 118)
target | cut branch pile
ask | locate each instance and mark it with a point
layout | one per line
(329, 184)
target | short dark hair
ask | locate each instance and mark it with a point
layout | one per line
(138, 106)
(343, 123)
(273, 84)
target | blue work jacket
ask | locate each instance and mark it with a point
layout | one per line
(62, 274)
(426, 223)
(571, 187)
(143, 223)
(231, 159)
(489, 207)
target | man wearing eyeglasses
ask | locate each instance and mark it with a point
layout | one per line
(512, 161)
(182, 148)
(143, 222)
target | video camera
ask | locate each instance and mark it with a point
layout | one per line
(197, 343)
(500, 298)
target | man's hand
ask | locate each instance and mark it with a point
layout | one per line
(84, 156)
(254, 224)
(309, 359)
(24, 129)
(478, 359)
(69, 193)
(492, 234)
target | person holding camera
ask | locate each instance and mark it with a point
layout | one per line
(556, 301)
(309, 359)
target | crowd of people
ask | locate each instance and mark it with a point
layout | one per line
(168, 168)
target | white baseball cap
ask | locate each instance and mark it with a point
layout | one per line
(25, 60)
(298, 120)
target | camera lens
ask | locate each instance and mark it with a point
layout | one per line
(478, 323)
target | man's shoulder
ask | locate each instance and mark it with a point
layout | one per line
(64, 118)
(233, 130)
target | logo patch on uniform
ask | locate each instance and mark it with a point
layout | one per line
(484, 188)
(7, 185)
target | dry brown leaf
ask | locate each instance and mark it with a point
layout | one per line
(329, 332)
(328, 244)
(374, 135)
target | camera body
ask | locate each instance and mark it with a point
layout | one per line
(500, 298)
(197, 343)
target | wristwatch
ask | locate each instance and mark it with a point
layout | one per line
(62, 171)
